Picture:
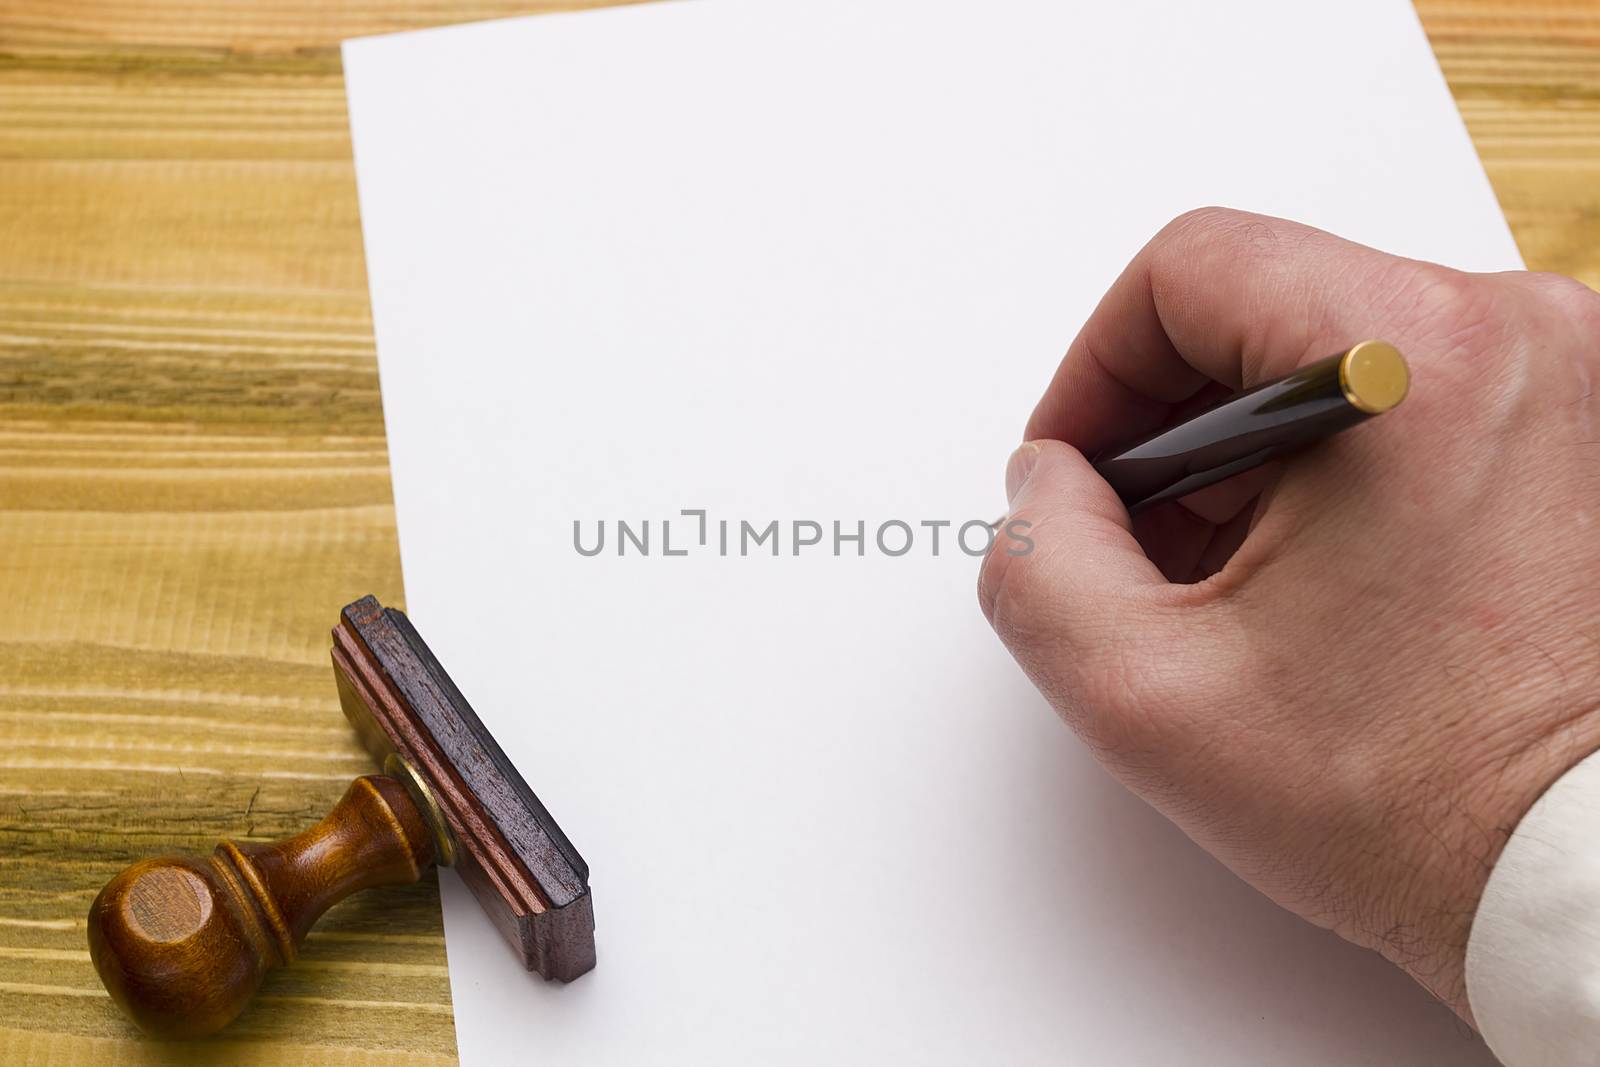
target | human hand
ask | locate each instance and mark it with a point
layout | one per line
(1349, 676)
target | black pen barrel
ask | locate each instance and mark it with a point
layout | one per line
(1247, 430)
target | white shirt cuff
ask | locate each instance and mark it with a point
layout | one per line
(1533, 958)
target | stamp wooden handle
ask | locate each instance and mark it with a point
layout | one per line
(182, 943)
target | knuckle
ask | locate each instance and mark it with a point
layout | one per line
(1203, 226)
(1508, 338)
(1448, 313)
(1569, 299)
(1559, 288)
(1209, 239)
(1201, 220)
(1016, 596)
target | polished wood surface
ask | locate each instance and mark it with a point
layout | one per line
(193, 476)
(182, 943)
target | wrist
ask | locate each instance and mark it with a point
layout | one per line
(1450, 829)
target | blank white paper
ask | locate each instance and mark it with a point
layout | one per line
(783, 260)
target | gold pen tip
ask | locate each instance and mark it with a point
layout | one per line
(1374, 377)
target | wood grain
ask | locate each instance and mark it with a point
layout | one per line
(1526, 76)
(193, 476)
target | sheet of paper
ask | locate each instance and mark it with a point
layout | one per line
(814, 261)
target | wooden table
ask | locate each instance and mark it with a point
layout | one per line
(193, 475)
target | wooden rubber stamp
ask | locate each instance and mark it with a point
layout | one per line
(183, 942)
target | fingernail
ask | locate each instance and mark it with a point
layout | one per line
(1018, 467)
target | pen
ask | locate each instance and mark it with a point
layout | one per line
(1246, 430)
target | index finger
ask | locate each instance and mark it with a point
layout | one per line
(1217, 296)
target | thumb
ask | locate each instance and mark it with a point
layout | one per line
(1066, 574)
